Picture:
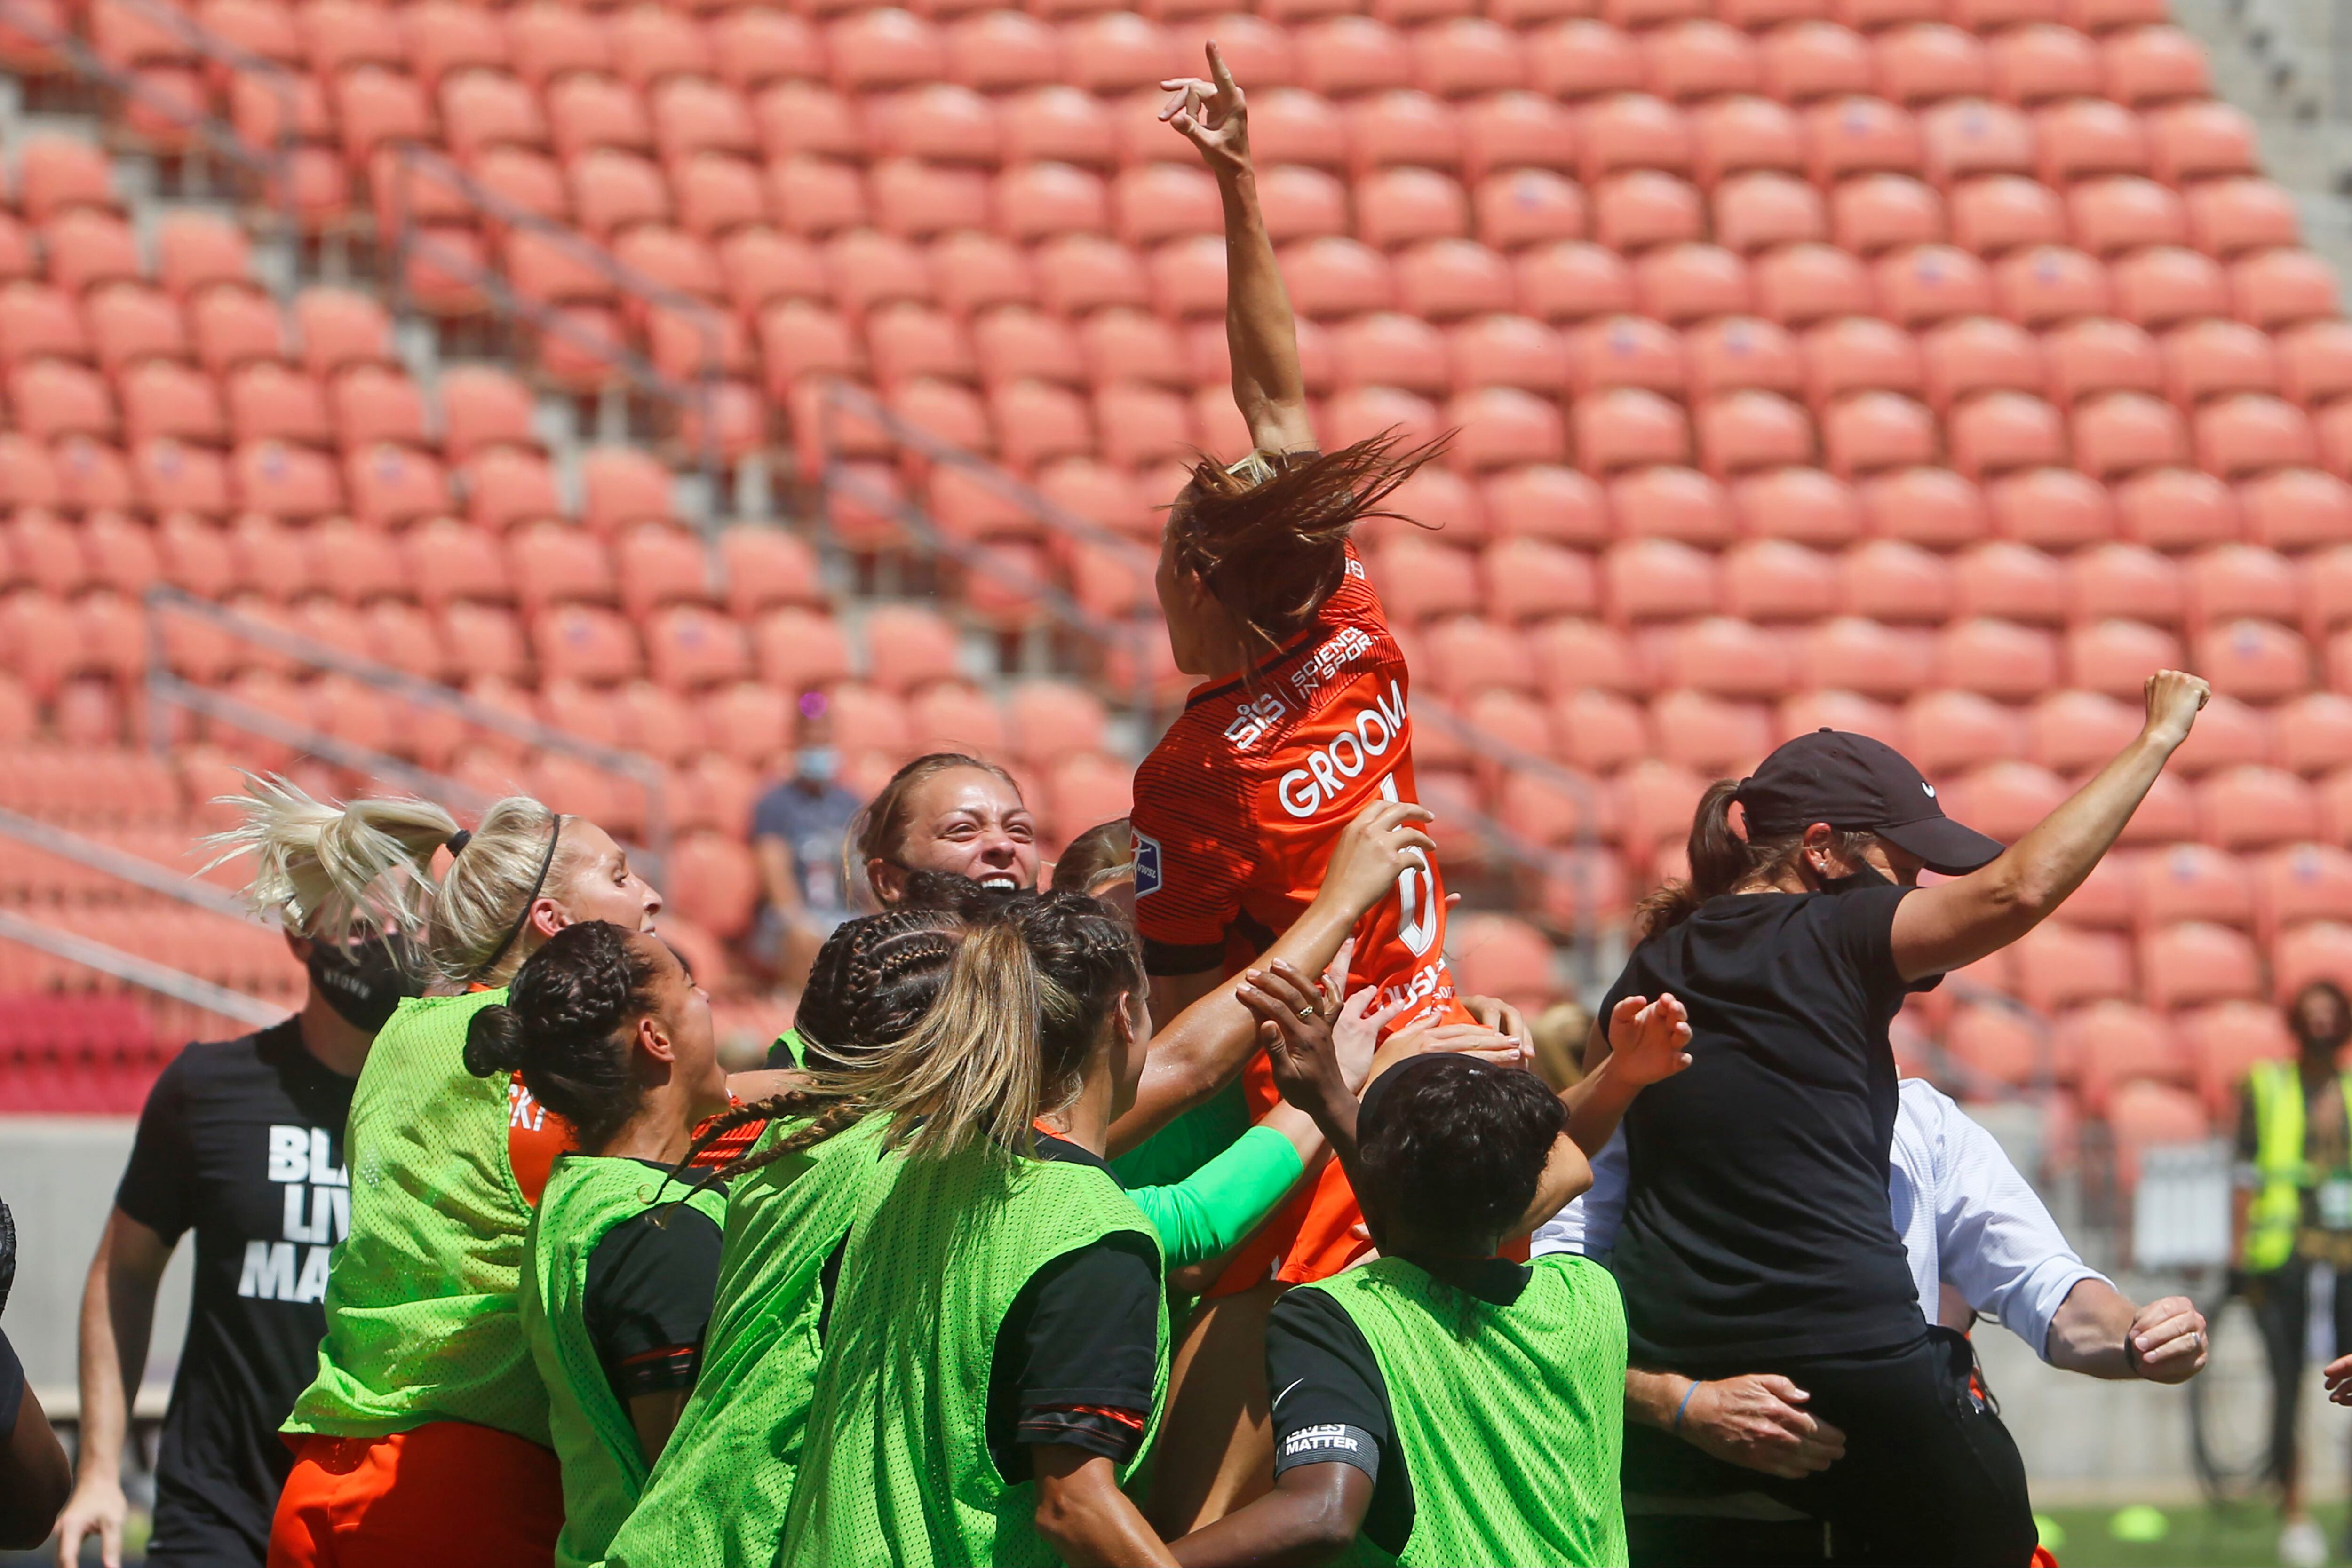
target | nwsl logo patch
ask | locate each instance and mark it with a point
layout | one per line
(1147, 864)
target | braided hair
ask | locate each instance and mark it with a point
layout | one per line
(873, 981)
(565, 1026)
(1026, 988)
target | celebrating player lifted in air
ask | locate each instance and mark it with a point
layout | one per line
(1303, 718)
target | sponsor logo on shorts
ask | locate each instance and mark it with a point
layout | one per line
(1147, 864)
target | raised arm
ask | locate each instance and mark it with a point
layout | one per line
(1954, 923)
(1196, 1054)
(1260, 332)
(118, 1320)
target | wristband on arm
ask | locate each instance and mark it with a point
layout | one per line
(1684, 1406)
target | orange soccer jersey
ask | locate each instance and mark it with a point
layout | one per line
(1236, 812)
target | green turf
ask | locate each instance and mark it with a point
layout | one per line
(2156, 1534)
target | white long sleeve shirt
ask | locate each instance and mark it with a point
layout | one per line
(1965, 1216)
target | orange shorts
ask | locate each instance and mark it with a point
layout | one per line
(449, 1493)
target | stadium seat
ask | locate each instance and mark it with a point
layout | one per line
(2111, 1042)
(1995, 214)
(2131, 581)
(2116, 656)
(1954, 732)
(1874, 431)
(1635, 209)
(2230, 218)
(2059, 965)
(2169, 508)
(1932, 507)
(1849, 653)
(2223, 1041)
(2296, 509)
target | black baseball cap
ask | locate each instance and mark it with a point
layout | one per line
(1854, 782)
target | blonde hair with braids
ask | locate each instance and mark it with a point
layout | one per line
(353, 869)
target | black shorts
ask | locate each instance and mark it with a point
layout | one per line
(1929, 1475)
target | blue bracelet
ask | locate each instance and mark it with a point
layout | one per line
(1682, 1406)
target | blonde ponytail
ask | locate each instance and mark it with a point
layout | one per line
(332, 872)
(970, 1070)
(339, 871)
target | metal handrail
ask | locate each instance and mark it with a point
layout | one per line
(410, 239)
(144, 973)
(281, 82)
(137, 870)
(167, 689)
(275, 169)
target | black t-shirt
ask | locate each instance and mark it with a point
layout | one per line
(647, 1301)
(1330, 1402)
(1078, 1353)
(1756, 1221)
(241, 1142)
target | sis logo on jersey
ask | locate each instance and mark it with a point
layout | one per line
(1147, 864)
(1253, 719)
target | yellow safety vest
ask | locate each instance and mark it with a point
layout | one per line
(2276, 1213)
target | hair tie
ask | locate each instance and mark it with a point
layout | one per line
(456, 842)
(530, 898)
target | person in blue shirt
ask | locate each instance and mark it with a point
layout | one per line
(797, 831)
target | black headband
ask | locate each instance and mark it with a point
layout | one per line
(530, 898)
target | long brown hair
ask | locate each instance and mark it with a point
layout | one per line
(1721, 859)
(1270, 536)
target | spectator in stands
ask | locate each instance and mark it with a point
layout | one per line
(1977, 1240)
(34, 1475)
(947, 811)
(798, 829)
(242, 1142)
(2292, 1213)
(1756, 1237)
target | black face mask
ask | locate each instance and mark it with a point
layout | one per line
(366, 981)
(1868, 877)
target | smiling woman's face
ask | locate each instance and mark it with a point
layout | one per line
(966, 821)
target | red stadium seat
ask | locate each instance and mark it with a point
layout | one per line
(1953, 732)
(1932, 507)
(2004, 431)
(1888, 580)
(1880, 213)
(1800, 284)
(1743, 431)
(2223, 1042)
(1857, 353)
(2190, 141)
(2059, 964)
(1547, 501)
(1853, 654)
(2126, 579)
(2231, 216)
(2118, 656)
(1628, 427)
(2109, 1043)
(2196, 962)
(2000, 212)
(1656, 578)
(2079, 137)
(1736, 352)
(1873, 431)
(2011, 581)
(1816, 59)
(1666, 502)
(1758, 212)
(2118, 434)
(2284, 288)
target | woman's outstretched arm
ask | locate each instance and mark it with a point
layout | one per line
(1957, 922)
(1260, 332)
(1198, 1051)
